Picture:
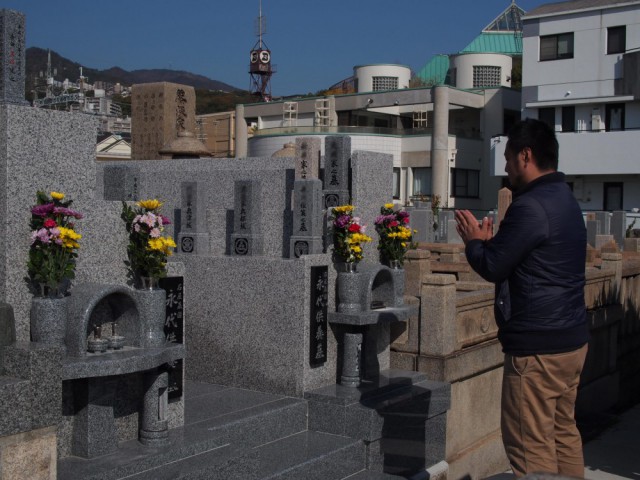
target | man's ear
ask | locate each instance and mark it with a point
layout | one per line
(526, 151)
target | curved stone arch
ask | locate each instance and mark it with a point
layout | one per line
(94, 303)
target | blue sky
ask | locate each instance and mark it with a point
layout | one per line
(314, 43)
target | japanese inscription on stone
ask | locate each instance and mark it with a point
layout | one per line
(318, 315)
(174, 327)
(181, 110)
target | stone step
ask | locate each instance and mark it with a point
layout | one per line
(369, 475)
(221, 424)
(310, 456)
(401, 419)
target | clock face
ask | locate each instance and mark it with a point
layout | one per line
(254, 56)
(265, 56)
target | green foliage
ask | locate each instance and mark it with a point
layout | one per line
(208, 101)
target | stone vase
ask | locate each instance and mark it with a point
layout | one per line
(151, 303)
(397, 273)
(48, 318)
(349, 290)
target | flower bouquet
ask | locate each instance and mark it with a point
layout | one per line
(148, 250)
(54, 244)
(348, 234)
(395, 234)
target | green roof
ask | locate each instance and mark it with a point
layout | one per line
(490, 42)
(435, 72)
(502, 35)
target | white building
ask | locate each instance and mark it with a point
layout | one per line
(581, 74)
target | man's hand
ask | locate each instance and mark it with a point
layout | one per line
(469, 229)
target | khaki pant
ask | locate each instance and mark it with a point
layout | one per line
(538, 426)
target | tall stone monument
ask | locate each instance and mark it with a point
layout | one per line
(12, 57)
(163, 114)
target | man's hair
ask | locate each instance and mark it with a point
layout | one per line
(539, 137)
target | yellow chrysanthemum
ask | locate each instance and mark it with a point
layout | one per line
(149, 204)
(57, 195)
(343, 209)
(162, 244)
(356, 248)
(69, 238)
(388, 205)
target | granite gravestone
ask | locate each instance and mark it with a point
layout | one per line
(12, 57)
(318, 315)
(247, 239)
(605, 222)
(193, 237)
(307, 158)
(337, 153)
(619, 227)
(121, 183)
(307, 218)
(422, 221)
(174, 330)
(593, 230)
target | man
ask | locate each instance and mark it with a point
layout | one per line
(537, 262)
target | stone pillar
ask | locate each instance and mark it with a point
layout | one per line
(438, 315)
(12, 53)
(440, 145)
(417, 264)
(613, 261)
(504, 200)
(154, 430)
(241, 132)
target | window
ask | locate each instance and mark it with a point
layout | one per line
(422, 181)
(612, 196)
(568, 119)
(465, 183)
(616, 39)
(385, 83)
(548, 116)
(396, 183)
(614, 117)
(556, 47)
(486, 76)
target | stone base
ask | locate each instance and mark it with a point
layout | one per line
(243, 245)
(305, 246)
(192, 243)
(29, 456)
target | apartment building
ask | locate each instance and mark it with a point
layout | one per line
(581, 74)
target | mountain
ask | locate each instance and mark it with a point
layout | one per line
(36, 66)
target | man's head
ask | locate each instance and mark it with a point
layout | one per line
(531, 151)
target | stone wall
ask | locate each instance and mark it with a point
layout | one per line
(454, 338)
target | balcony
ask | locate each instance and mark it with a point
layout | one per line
(347, 130)
(585, 153)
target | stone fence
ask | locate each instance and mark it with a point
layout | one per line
(454, 339)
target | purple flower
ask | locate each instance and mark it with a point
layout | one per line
(403, 214)
(67, 212)
(43, 210)
(379, 219)
(342, 221)
(165, 220)
(42, 235)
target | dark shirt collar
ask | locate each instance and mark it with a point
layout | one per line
(553, 177)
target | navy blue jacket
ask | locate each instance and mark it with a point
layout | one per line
(537, 262)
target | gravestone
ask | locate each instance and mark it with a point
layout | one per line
(422, 221)
(307, 158)
(605, 222)
(12, 57)
(593, 230)
(307, 232)
(193, 237)
(619, 227)
(247, 239)
(443, 225)
(452, 232)
(159, 111)
(337, 154)
(7, 326)
(121, 183)
(174, 330)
